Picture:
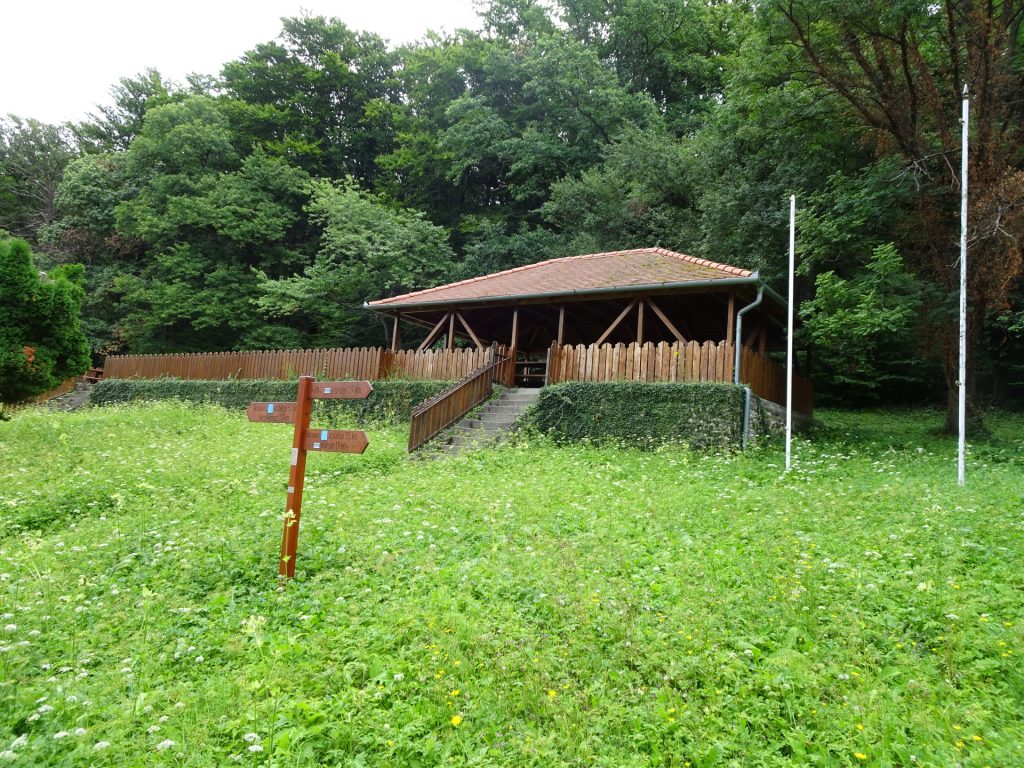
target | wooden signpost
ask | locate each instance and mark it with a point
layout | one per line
(305, 439)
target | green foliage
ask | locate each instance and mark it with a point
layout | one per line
(641, 415)
(638, 195)
(33, 156)
(556, 128)
(861, 327)
(41, 341)
(211, 221)
(594, 605)
(324, 94)
(368, 249)
(390, 402)
(117, 124)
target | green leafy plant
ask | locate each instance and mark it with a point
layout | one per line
(390, 401)
(642, 415)
(41, 340)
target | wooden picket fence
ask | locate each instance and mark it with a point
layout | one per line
(441, 364)
(370, 363)
(691, 362)
(61, 389)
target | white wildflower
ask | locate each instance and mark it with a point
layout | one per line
(100, 746)
(164, 745)
(251, 738)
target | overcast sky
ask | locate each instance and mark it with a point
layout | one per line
(59, 58)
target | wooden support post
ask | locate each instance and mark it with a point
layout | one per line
(668, 323)
(432, 336)
(451, 330)
(616, 322)
(561, 324)
(640, 321)
(513, 348)
(730, 321)
(396, 334)
(469, 330)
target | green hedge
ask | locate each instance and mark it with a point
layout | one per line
(643, 415)
(390, 402)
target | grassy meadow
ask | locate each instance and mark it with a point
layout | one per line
(527, 606)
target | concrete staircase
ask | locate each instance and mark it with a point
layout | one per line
(494, 422)
(73, 400)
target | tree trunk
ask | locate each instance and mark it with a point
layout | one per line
(951, 367)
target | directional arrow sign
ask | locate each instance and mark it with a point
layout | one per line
(336, 440)
(279, 413)
(340, 390)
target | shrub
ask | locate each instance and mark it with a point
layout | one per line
(390, 402)
(641, 414)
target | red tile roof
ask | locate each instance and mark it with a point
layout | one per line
(592, 272)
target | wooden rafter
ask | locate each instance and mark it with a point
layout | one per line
(617, 321)
(668, 323)
(432, 336)
(469, 330)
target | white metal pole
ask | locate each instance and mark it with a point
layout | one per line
(962, 383)
(789, 335)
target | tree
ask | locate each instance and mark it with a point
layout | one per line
(324, 94)
(640, 195)
(41, 342)
(369, 249)
(901, 69)
(209, 221)
(861, 328)
(118, 123)
(33, 156)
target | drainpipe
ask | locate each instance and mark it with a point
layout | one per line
(736, 362)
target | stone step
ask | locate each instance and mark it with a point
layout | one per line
(503, 408)
(527, 396)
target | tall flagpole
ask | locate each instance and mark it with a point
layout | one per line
(962, 442)
(789, 335)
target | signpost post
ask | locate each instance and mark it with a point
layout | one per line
(305, 439)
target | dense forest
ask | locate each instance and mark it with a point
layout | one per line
(258, 207)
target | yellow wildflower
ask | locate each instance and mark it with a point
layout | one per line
(456, 719)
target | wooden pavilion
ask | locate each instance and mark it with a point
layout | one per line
(642, 296)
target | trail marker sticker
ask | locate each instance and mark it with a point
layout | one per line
(306, 439)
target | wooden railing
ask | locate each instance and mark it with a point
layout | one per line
(445, 408)
(341, 363)
(691, 361)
